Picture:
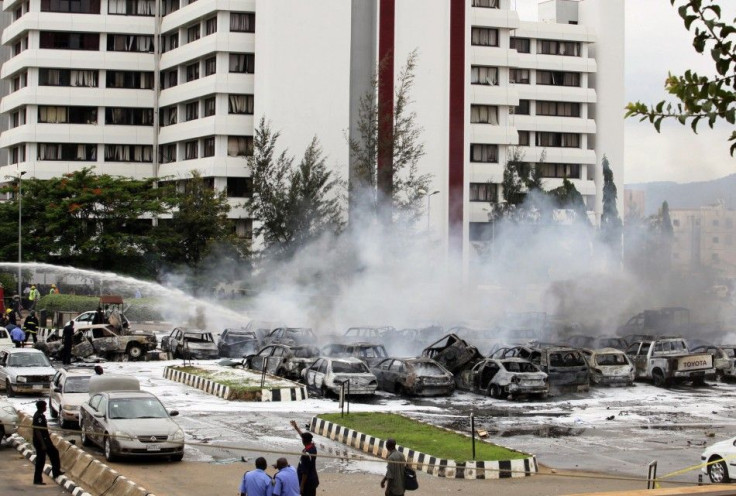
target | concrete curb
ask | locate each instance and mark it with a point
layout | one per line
(450, 469)
(297, 392)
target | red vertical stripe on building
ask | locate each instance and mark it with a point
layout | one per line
(456, 164)
(386, 26)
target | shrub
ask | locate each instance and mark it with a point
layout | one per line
(137, 309)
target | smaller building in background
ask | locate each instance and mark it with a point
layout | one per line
(634, 203)
(704, 237)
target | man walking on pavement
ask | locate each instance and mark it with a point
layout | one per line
(393, 481)
(17, 336)
(257, 482)
(30, 326)
(44, 446)
(286, 482)
(307, 469)
(68, 335)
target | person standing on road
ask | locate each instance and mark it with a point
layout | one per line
(17, 336)
(68, 335)
(98, 318)
(286, 482)
(307, 469)
(53, 290)
(393, 481)
(44, 446)
(12, 318)
(257, 482)
(30, 326)
(33, 296)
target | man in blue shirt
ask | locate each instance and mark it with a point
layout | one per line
(257, 482)
(16, 335)
(286, 480)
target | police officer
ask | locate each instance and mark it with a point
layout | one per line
(44, 446)
(68, 337)
(30, 326)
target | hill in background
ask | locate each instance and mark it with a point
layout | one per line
(688, 195)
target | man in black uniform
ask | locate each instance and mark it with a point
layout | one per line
(68, 335)
(43, 444)
(30, 326)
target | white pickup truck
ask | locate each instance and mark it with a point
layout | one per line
(666, 360)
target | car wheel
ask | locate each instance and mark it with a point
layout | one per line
(52, 411)
(177, 457)
(83, 435)
(718, 471)
(658, 378)
(109, 454)
(325, 392)
(9, 389)
(699, 381)
(63, 423)
(495, 391)
(135, 352)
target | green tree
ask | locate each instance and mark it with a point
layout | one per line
(709, 98)
(512, 183)
(610, 220)
(568, 197)
(402, 198)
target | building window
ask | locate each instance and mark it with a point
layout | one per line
(128, 153)
(519, 76)
(20, 46)
(522, 108)
(129, 80)
(484, 114)
(239, 146)
(482, 192)
(484, 153)
(521, 45)
(168, 116)
(67, 115)
(131, 7)
(480, 74)
(67, 151)
(129, 116)
(169, 42)
(239, 187)
(190, 150)
(242, 22)
(67, 77)
(559, 109)
(169, 79)
(18, 154)
(554, 47)
(209, 106)
(570, 171)
(558, 140)
(71, 6)
(69, 41)
(193, 71)
(169, 6)
(242, 62)
(240, 104)
(524, 138)
(19, 81)
(193, 33)
(558, 78)
(208, 150)
(484, 37)
(18, 118)
(191, 111)
(129, 43)
(167, 153)
(210, 66)
(488, 4)
(210, 26)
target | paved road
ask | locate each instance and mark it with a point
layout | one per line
(16, 474)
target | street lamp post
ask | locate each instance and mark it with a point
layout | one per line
(428, 205)
(20, 234)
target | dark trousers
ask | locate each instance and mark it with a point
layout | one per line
(309, 490)
(18, 344)
(31, 335)
(41, 461)
(66, 355)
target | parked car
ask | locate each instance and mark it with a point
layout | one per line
(730, 350)
(263, 328)
(452, 352)
(327, 375)
(366, 333)
(610, 367)
(596, 342)
(9, 419)
(25, 370)
(666, 360)
(667, 320)
(504, 378)
(69, 389)
(5, 341)
(290, 336)
(102, 341)
(720, 457)
(413, 376)
(237, 343)
(190, 343)
(86, 319)
(280, 359)
(565, 367)
(370, 353)
(130, 423)
(723, 363)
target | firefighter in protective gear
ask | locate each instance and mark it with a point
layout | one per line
(53, 290)
(33, 297)
(30, 326)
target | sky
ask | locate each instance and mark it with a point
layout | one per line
(657, 43)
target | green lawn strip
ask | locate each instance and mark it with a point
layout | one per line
(421, 437)
(235, 382)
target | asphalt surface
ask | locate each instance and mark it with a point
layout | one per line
(16, 476)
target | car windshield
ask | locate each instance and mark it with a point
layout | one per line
(77, 385)
(136, 408)
(428, 370)
(671, 346)
(519, 367)
(349, 368)
(566, 359)
(729, 352)
(610, 359)
(234, 337)
(305, 352)
(29, 360)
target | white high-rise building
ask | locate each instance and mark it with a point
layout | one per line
(83, 75)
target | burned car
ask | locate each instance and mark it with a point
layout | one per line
(730, 351)
(290, 336)
(263, 328)
(327, 376)
(565, 367)
(596, 342)
(610, 367)
(452, 352)
(413, 376)
(190, 343)
(370, 353)
(237, 343)
(280, 359)
(504, 378)
(367, 332)
(101, 340)
(723, 361)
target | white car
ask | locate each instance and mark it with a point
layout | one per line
(5, 341)
(327, 376)
(25, 370)
(69, 389)
(610, 367)
(721, 460)
(8, 419)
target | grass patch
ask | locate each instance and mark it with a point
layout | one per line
(242, 388)
(422, 437)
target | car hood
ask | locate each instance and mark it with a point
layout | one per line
(723, 448)
(202, 346)
(144, 427)
(25, 371)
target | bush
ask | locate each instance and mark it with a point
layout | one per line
(137, 309)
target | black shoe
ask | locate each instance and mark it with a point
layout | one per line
(39, 483)
(59, 475)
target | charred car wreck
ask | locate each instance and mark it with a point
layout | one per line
(101, 341)
(413, 377)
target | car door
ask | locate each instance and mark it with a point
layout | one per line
(381, 372)
(488, 374)
(3, 365)
(87, 417)
(395, 376)
(55, 396)
(274, 361)
(310, 376)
